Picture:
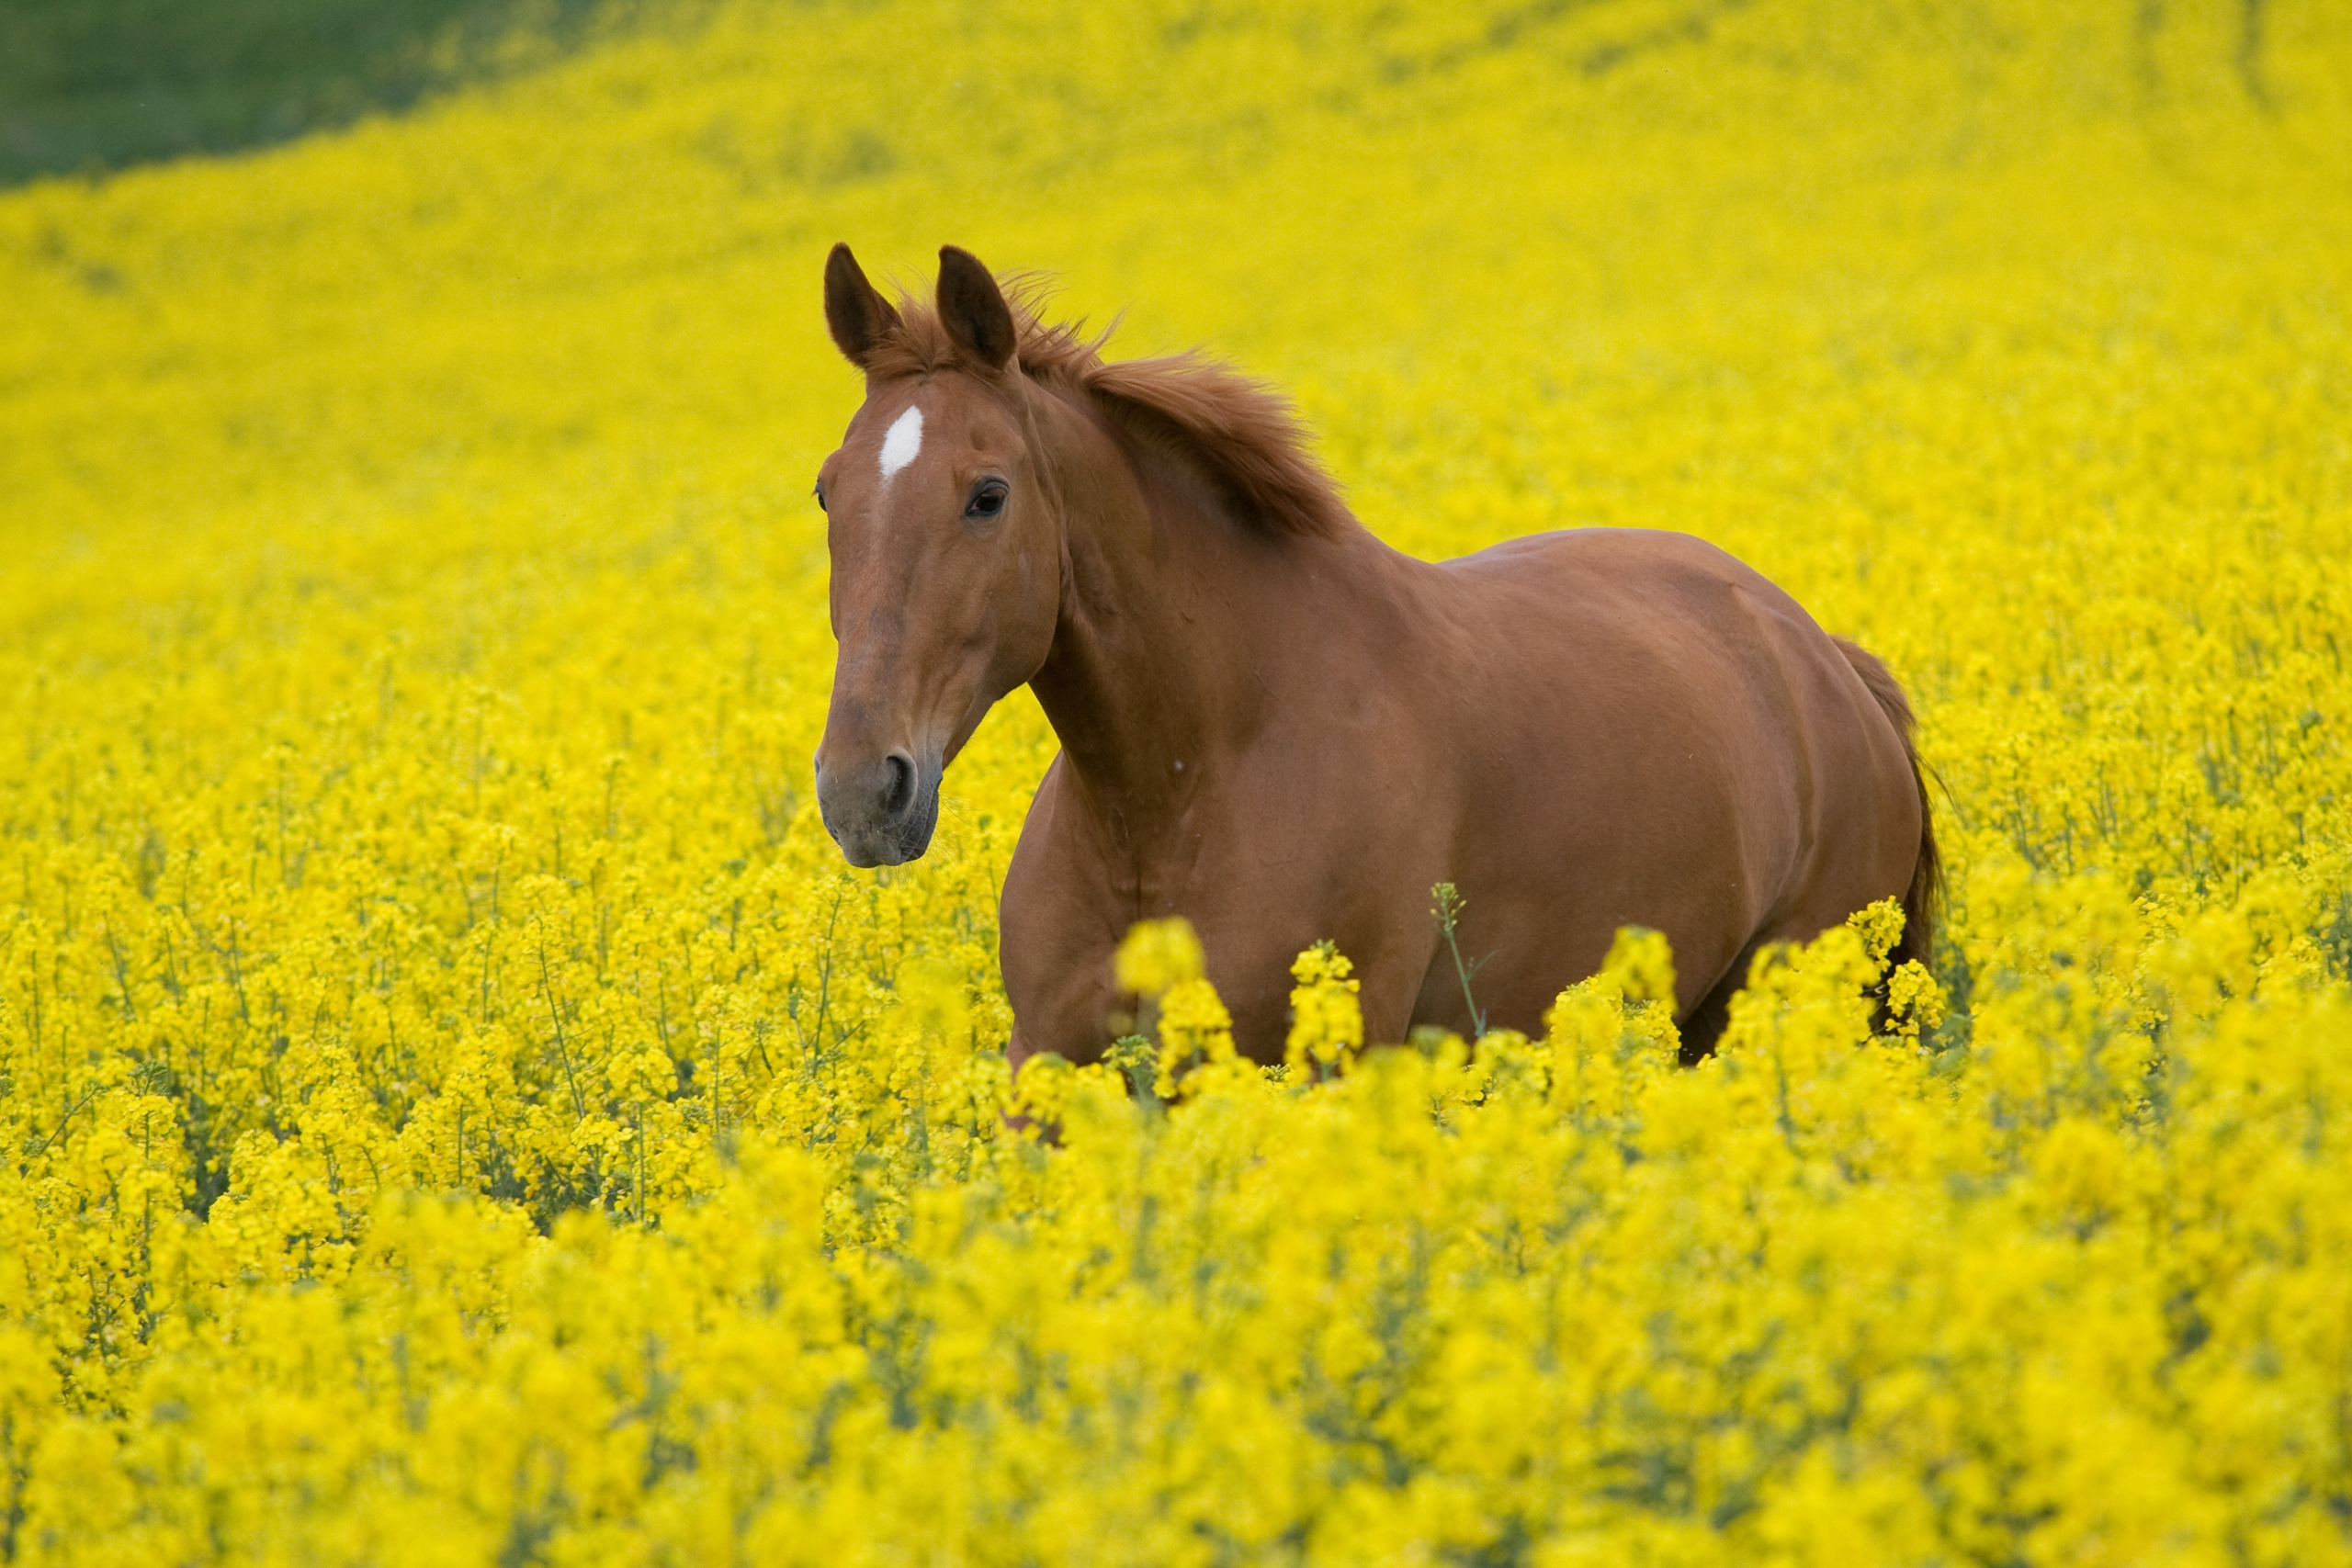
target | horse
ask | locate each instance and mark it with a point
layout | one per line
(1279, 727)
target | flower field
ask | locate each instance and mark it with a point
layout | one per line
(459, 1109)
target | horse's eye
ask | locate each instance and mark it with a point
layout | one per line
(987, 501)
(819, 493)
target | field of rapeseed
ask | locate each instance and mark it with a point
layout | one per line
(459, 1109)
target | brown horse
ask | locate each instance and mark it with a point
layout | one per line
(1277, 727)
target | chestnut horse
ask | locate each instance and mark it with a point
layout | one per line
(1279, 727)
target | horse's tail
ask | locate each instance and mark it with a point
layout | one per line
(1919, 900)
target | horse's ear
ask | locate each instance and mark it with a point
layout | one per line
(857, 315)
(972, 308)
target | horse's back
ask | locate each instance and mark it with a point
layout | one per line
(1660, 640)
(1663, 737)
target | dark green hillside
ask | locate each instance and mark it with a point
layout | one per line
(92, 85)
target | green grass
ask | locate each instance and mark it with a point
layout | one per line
(92, 85)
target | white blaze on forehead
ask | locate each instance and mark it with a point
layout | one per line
(901, 442)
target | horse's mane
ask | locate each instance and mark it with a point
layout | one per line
(1241, 431)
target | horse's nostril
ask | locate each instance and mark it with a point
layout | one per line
(899, 792)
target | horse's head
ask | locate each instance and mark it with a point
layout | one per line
(946, 552)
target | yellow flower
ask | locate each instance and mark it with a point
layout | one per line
(1326, 1021)
(1157, 955)
(1640, 965)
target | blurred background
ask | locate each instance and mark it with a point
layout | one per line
(92, 85)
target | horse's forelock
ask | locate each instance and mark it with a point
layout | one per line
(919, 343)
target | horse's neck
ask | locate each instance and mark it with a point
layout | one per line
(1174, 613)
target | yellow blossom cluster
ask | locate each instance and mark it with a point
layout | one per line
(458, 1107)
(1326, 1022)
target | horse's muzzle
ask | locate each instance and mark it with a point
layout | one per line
(880, 811)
